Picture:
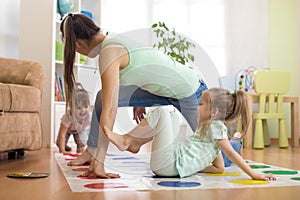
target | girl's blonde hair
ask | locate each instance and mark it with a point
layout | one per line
(229, 107)
(73, 27)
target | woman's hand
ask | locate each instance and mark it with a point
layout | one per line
(138, 114)
(97, 169)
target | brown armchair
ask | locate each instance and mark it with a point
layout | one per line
(21, 84)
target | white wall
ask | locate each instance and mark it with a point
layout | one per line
(36, 43)
(9, 32)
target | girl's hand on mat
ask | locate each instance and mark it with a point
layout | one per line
(97, 169)
(264, 177)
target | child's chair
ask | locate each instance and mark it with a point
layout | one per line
(270, 85)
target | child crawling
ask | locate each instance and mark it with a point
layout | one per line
(75, 122)
(199, 152)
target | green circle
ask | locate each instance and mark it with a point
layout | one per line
(281, 172)
(259, 166)
(296, 178)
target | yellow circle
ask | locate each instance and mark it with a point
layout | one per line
(224, 174)
(248, 182)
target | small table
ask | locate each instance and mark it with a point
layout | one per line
(294, 101)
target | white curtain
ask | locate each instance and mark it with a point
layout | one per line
(246, 34)
(234, 33)
(9, 32)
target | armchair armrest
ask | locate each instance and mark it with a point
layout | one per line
(21, 72)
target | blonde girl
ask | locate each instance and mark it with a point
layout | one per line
(199, 152)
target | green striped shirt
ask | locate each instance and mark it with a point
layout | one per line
(196, 153)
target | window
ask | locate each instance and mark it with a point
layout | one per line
(200, 20)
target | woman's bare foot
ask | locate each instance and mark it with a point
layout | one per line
(125, 142)
(80, 160)
(122, 142)
(80, 149)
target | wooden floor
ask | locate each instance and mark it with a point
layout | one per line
(55, 186)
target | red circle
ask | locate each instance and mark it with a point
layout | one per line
(85, 164)
(72, 154)
(105, 185)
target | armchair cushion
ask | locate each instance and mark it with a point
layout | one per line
(19, 98)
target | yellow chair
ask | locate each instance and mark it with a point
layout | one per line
(271, 86)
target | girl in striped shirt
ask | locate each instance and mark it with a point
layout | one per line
(200, 152)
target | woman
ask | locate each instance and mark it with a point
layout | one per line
(131, 75)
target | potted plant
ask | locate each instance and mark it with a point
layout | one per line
(172, 43)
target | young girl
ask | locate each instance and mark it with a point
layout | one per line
(75, 122)
(199, 152)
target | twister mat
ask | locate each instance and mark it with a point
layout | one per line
(135, 173)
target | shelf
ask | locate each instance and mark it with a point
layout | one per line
(59, 102)
(86, 66)
(85, 69)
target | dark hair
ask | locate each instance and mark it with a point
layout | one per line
(231, 106)
(74, 26)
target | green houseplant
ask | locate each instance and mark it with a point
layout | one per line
(172, 43)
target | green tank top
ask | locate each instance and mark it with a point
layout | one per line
(154, 71)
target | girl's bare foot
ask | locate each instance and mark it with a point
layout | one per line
(80, 160)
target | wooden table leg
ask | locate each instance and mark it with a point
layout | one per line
(247, 140)
(295, 123)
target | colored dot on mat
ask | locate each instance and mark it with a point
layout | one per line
(72, 154)
(178, 184)
(248, 182)
(80, 169)
(281, 172)
(111, 154)
(105, 185)
(85, 164)
(296, 178)
(259, 166)
(224, 174)
(134, 162)
(126, 158)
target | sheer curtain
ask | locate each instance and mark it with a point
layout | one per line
(246, 34)
(200, 20)
(234, 33)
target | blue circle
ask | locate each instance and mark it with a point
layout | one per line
(178, 184)
(126, 158)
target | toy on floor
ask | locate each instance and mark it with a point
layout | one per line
(28, 175)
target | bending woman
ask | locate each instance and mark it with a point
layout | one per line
(131, 75)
